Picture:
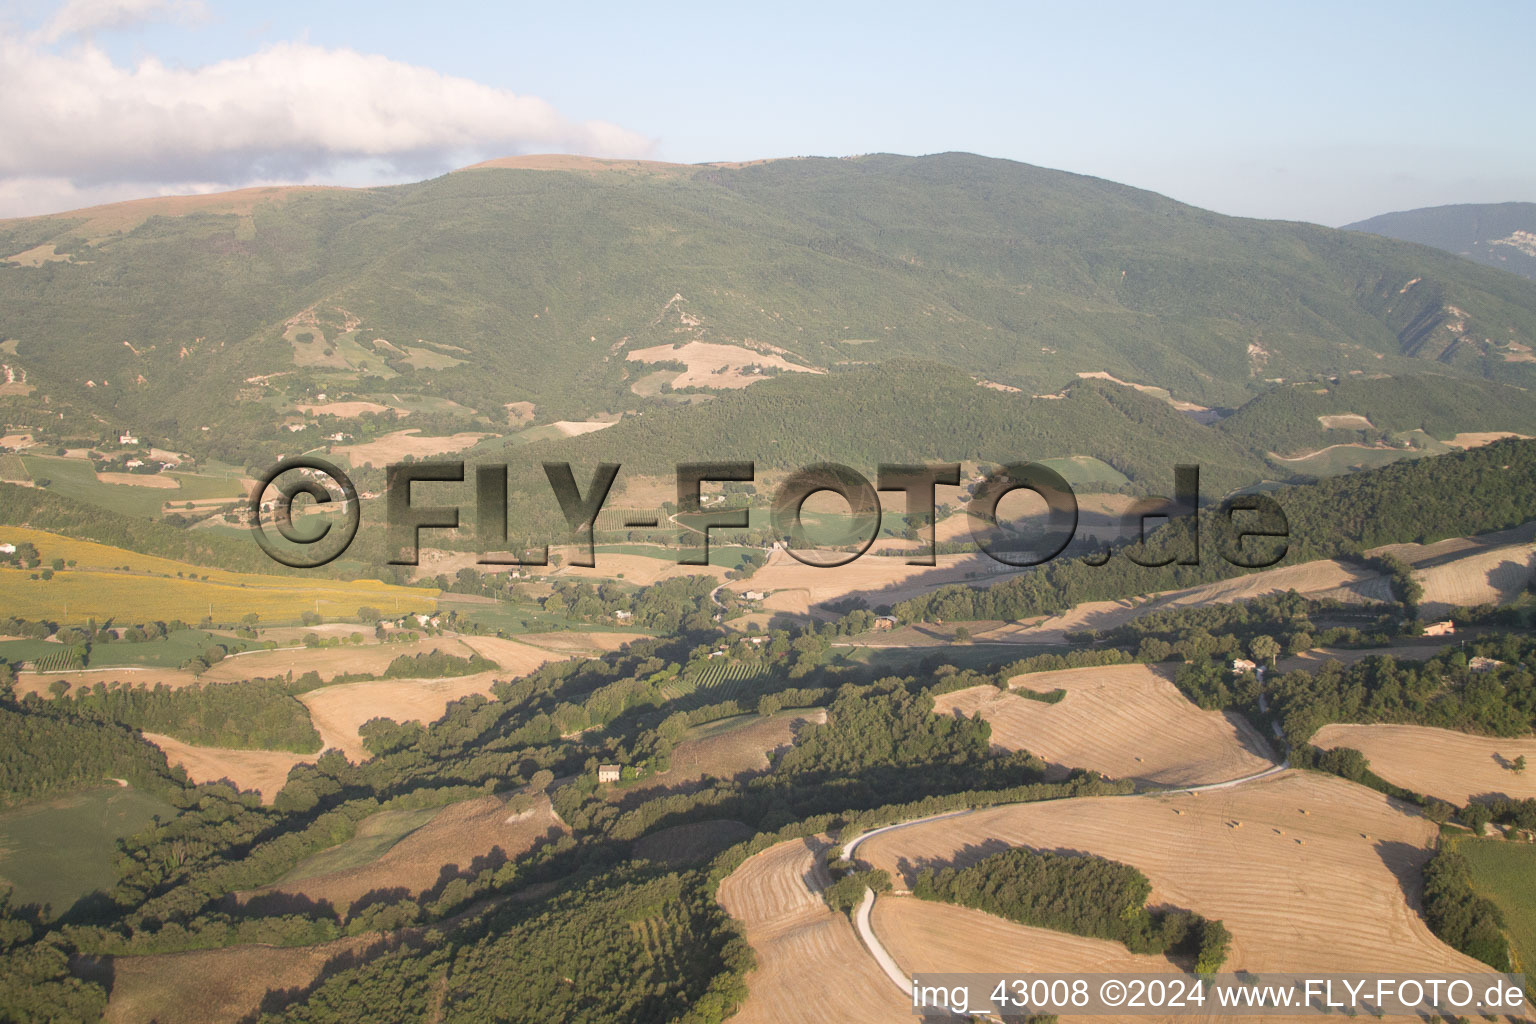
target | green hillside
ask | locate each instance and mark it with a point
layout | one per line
(1305, 416)
(1488, 233)
(491, 286)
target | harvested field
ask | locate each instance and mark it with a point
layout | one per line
(1307, 871)
(802, 947)
(1321, 579)
(1494, 576)
(1127, 721)
(927, 936)
(39, 682)
(514, 658)
(460, 839)
(339, 711)
(723, 753)
(575, 428)
(1453, 766)
(265, 771)
(396, 446)
(877, 580)
(348, 410)
(717, 366)
(371, 658)
(161, 480)
(217, 986)
(578, 643)
(519, 413)
(1310, 660)
(1476, 439)
(1346, 421)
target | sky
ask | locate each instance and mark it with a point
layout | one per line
(1323, 112)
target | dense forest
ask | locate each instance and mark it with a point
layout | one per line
(260, 713)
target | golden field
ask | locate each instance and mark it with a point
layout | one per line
(114, 583)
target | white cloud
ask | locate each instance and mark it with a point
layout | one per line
(76, 122)
(82, 17)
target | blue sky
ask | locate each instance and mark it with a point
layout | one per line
(1320, 112)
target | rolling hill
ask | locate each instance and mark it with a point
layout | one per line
(1499, 235)
(227, 325)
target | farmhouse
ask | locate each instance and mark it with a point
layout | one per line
(754, 595)
(7, 549)
(607, 773)
(885, 622)
(623, 616)
(1481, 664)
(1241, 665)
(1443, 628)
(127, 438)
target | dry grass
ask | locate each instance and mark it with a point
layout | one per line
(575, 428)
(1126, 721)
(460, 839)
(1345, 421)
(115, 217)
(877, 580)
(265, 771)
(329, 662)
(339, 711)
(811, 966)
(1453, 766)
(1321, 579)
(38, 683)
(1495, 576)
(742, 749)
(924, 936)
(159, 480)
(576, 643)
(1308, 872)
(216, 986)
(641, 570)
(716, 366)
(519, 413)
(396, 446)
(1476, 439)
(348, 410)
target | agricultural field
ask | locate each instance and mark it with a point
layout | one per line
(803, 947)
(716, 366)
(142, 495)
(1452, 766)
(719, 679)
(107, 580)
(1126, 721)
(723, 750)
(339, 711)
(262, 771)
(218, 986)
(1307, 871)
(58, 851)
(394, 447)
(1506, 873)
(413, 850)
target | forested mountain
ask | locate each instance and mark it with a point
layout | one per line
(1501, 235)
(203, 321)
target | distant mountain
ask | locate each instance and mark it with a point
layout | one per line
(1501, 235)
(513, 296)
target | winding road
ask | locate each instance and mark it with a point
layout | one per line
(865, 909)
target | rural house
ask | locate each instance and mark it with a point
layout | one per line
(607, 773)
(1443, 628)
